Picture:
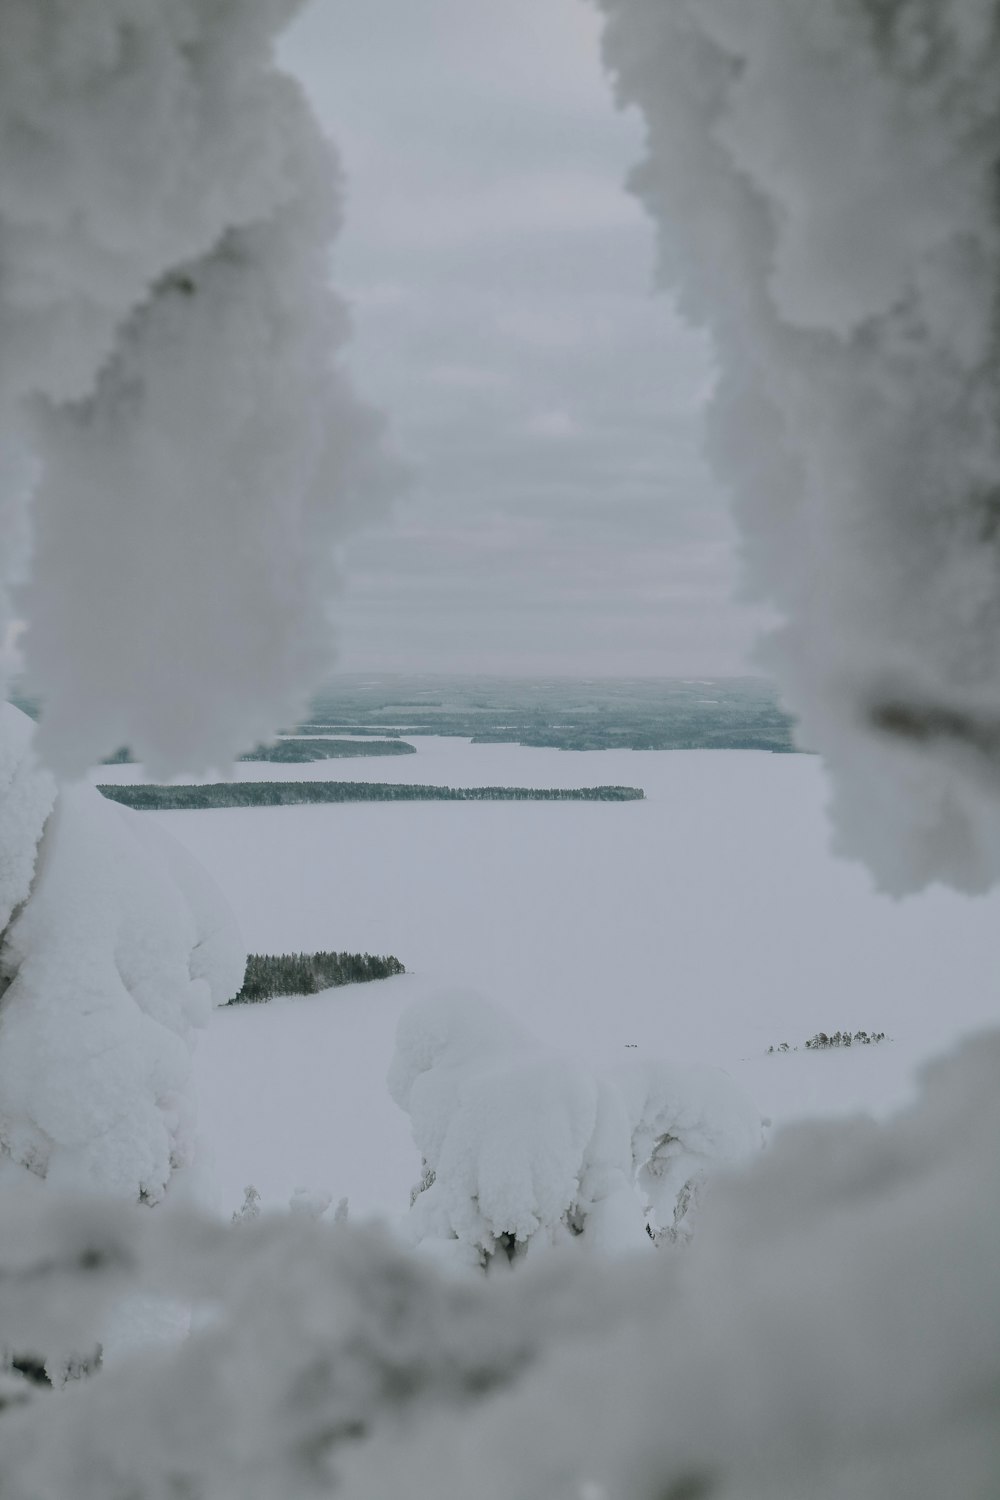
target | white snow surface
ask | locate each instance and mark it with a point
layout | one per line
(181, 449)
(831, 1328)
(117, 950)
(824, 181)
(701, 926)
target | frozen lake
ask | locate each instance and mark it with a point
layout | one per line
(705, 924)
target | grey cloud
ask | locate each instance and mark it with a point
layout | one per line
(549, 405)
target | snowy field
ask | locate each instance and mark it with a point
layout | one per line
(704, 924)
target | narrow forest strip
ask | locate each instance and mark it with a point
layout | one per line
(303, 750)
(289, 793)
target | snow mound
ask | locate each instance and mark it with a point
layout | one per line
(118, 951)
(520, 1148)
(824, 177)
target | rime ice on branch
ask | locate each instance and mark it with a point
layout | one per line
(180, 448)
(825, 181)
(832, 1332)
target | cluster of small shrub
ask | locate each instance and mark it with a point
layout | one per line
(844, 1039)
(821, 1041)
(270, 974)
(288, 793)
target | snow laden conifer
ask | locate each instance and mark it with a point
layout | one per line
(521, 1148)
(114, 949)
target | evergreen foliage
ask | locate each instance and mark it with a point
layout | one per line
(289, 793)
(821, 1041)
(270, 974)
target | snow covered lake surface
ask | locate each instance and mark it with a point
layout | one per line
(704, 924)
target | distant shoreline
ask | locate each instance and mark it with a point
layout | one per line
(356, 713)
(695, 713)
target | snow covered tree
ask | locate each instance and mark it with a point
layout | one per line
(114, 945)
(520, 1148)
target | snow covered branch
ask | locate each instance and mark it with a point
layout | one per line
(824, 179)
(182, 451)
(834, 1334)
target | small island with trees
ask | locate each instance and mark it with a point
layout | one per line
(271, 974)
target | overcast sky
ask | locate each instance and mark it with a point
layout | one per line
(561, 517)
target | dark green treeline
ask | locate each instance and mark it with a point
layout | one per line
(271, 974)
(289, 793)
